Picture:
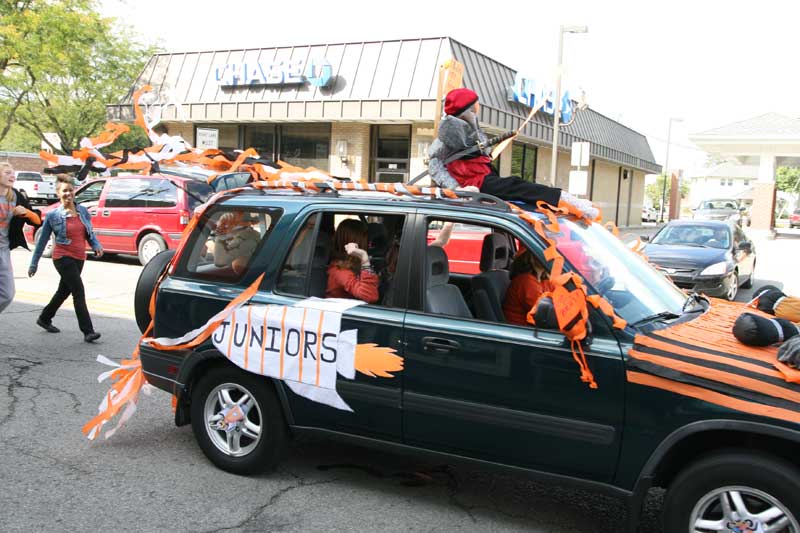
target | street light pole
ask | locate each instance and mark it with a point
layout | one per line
(557, 103)
(666, 169)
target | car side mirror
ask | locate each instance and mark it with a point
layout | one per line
(645, 238)
(746, 246)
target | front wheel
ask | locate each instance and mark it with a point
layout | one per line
(237, 420)
(733, 286)
(734, 491)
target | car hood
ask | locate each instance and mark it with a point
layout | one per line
(676, 255)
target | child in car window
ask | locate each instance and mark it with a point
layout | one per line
(528, 283)
(350, 274)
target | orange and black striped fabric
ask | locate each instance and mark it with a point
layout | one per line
(702, 359)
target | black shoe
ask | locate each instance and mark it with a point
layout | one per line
(47, 326)
(91, 337)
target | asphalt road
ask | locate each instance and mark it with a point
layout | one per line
(152, 476)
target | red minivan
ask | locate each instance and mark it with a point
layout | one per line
(138, 214)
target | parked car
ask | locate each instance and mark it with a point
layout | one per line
(649, 214)
(794, 219)
(472, 389)
(137, 214)
(38, 189)
(715, 258)
(719, 209)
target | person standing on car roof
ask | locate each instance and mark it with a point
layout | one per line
(459, 131)
(15, 210)
(72, 226)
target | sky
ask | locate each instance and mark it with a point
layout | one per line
(706, 62)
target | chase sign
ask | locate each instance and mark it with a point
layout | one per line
(530, 92)
(317, 72)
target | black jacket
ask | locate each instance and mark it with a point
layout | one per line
(15, 235)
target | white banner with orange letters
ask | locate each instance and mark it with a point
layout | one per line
(303, 346)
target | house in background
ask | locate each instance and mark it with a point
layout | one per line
(729, 179)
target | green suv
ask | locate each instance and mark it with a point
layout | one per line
(473, 387)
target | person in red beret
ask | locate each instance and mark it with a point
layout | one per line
(459, 131)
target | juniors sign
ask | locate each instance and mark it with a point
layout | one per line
(317, 72)
(304, 347)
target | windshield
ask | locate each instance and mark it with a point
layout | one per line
(695, 235)
(719, 204)
(634, 288)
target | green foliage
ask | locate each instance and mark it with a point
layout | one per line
(19, 139)
(60, 64)
(136, 138)
(786, 179)
(654, 191)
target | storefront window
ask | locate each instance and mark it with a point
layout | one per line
(262, 138)
(523, 161)
(306, 145)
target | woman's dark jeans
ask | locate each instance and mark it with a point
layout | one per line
(70, 271)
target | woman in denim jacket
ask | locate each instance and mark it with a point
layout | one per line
(72, 226)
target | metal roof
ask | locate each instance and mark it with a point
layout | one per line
(379, 81)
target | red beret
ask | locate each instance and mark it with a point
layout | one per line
(459, 100)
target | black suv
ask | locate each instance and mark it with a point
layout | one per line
(473, 387)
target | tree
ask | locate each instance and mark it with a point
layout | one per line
(654, 191)
(787, 179)
(60, 64)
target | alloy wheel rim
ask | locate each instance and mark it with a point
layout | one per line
(733, 288)
(150, 250)
(235, 438)
(741, 509)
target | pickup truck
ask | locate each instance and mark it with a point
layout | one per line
(37, 188)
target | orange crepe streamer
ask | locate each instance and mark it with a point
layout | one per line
(373, 360)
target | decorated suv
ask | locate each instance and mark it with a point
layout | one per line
(627, 384)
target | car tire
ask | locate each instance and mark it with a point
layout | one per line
(751, 278)
(145, 285)
(150, 246)
(733, 286)
(237, 451)
(761, 481)
(48, 249)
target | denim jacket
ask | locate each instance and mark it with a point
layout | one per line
(56, 222)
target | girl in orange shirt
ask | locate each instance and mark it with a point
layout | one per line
(526, 287)
(350, 274)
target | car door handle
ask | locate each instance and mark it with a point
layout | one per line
(93, 213)
(439, 345)
(106, 212)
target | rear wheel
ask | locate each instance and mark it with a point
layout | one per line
(150, 246)
(237, 420)
(145, 285)
(734, 491)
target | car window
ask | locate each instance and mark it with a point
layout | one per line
(694, 235)
(226, 242)
(463, 247)
(318, 263)
(29, 176)
(90, 193)
(141, 192)
(198, 192)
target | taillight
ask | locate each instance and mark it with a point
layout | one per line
(35, 186)
(184, 217)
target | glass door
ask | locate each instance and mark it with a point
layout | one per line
(391, 152)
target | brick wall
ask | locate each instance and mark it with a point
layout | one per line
(23, 161)
(763, 210)
(357, 137)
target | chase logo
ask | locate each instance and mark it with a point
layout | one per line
(319, 72)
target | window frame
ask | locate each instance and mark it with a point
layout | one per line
(522, 238)
(401, 278)
(181, 268)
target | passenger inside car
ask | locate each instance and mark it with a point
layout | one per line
(528, 282)
(350, 274)
(235, 240)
